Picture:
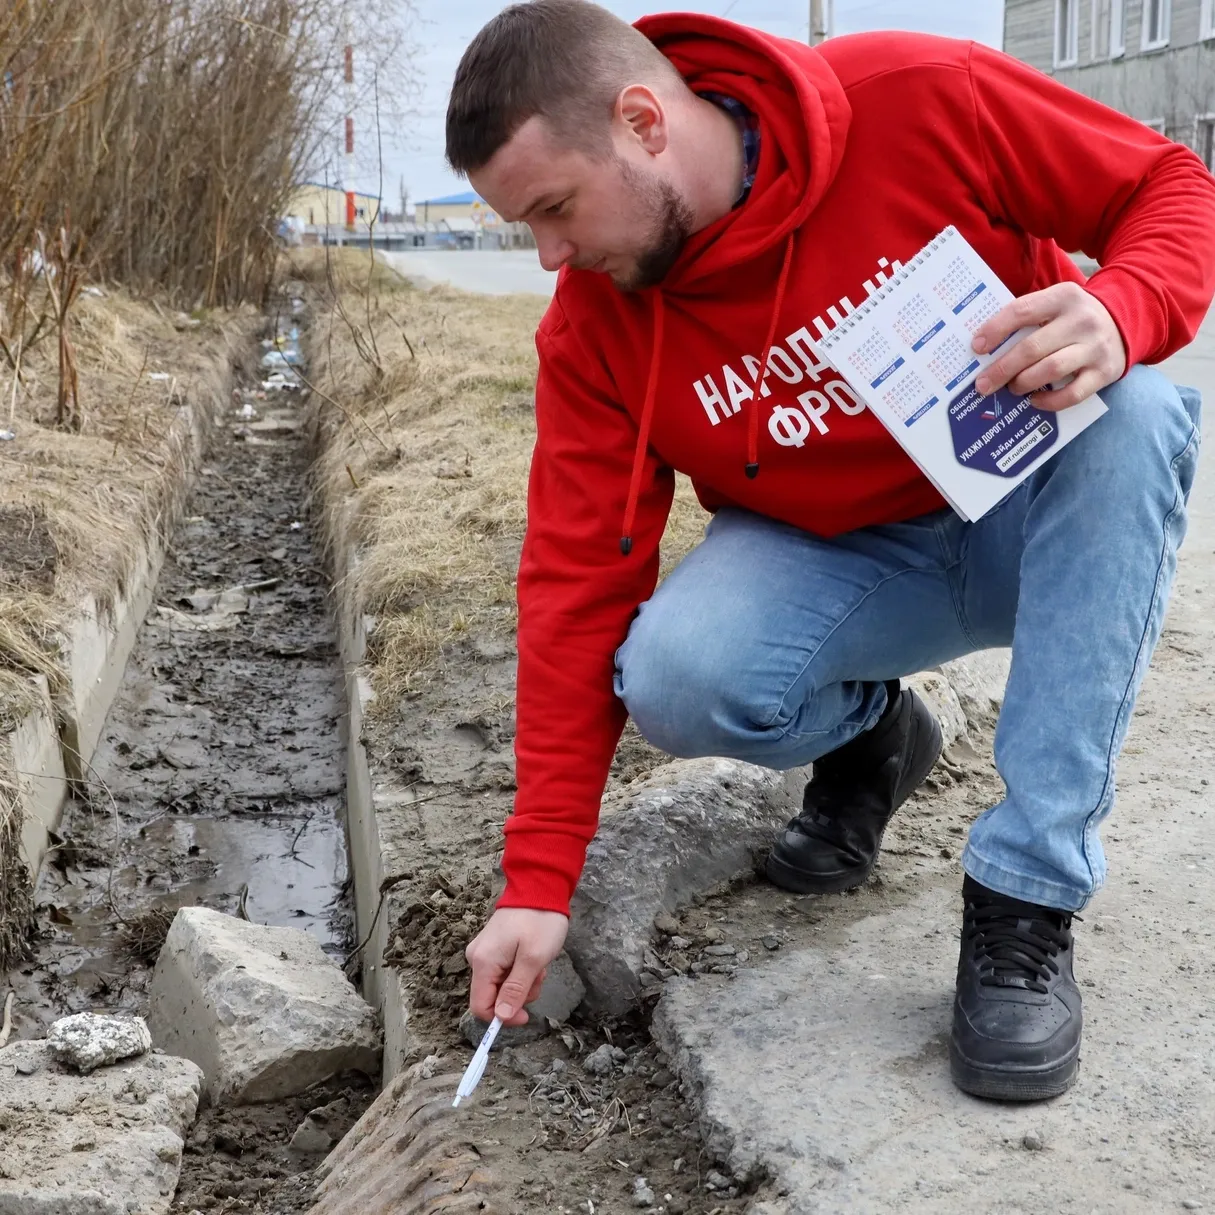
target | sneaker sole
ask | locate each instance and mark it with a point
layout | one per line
(788, 877)
(1009, 1084)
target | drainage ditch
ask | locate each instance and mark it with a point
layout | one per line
(219, 778)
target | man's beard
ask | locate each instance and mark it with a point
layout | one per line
(671, 223)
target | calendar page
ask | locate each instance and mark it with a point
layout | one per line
(907, 353)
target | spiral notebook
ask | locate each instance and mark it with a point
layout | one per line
(907, 352)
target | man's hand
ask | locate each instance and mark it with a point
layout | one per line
(1076, 337)
(508, 959)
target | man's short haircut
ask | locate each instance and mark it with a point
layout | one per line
(565, 60)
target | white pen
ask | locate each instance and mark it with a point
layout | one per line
(476, 1069)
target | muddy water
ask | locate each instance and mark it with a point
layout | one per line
(219, 777)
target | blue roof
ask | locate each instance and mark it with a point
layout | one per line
(453, 200)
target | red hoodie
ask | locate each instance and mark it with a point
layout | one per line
(870, 145)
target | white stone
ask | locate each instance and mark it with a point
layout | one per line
(263, 1011)
(109, 1143)
(87, 1041)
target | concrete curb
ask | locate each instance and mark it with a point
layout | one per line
(369, 792)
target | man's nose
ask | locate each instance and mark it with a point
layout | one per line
(554, 252)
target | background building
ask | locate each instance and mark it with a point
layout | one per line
(320, 205)
(467, 206)
(1151, 59)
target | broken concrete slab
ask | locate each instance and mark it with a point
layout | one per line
(87, 1041)
(978, 683)
(108, 1143)
(689, 826)
(562, 992)
(695, 823)
(828, 1072)
(263, 1011)
(409, 1154)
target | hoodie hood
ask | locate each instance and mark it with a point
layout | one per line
(803, 126)
(803, 121)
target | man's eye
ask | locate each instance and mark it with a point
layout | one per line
(556, 208)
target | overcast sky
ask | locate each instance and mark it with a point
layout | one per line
(446, 26)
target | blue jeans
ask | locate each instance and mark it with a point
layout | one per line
(770, 644)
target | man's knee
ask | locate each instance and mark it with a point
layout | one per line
(1151, 422)
(688, 694)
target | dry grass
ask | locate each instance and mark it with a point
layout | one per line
(425, 458)
(144, 935)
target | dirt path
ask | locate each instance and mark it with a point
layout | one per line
(218, 780)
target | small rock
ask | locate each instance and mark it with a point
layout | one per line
(715, 1181)
(668, 925)
(661, 1078)
(770, 942)
(526, 1069)
(27, 1067)
(712, 934)
(311, 1137)
(561, 994)
(1189, 1204)
(601, 1060)
(557, 1066)
(719, 951)
(643, 1196)
(744, 955)
(677, 1204)
(667, 1119)
(230, 1145)
(1031, 1142)
(87, 1042)
(678, 942)
(455, 965)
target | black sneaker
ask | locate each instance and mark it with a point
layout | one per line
(1017, 1015)
(833, 843)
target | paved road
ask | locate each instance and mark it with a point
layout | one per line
(827, 1066)
(493, 273)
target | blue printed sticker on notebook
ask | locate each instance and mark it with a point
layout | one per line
(1001, 433)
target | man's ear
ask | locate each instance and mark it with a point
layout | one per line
(643, 117)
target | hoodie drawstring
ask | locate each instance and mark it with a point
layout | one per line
(643, 431)
(761, 371)
(651, 392)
